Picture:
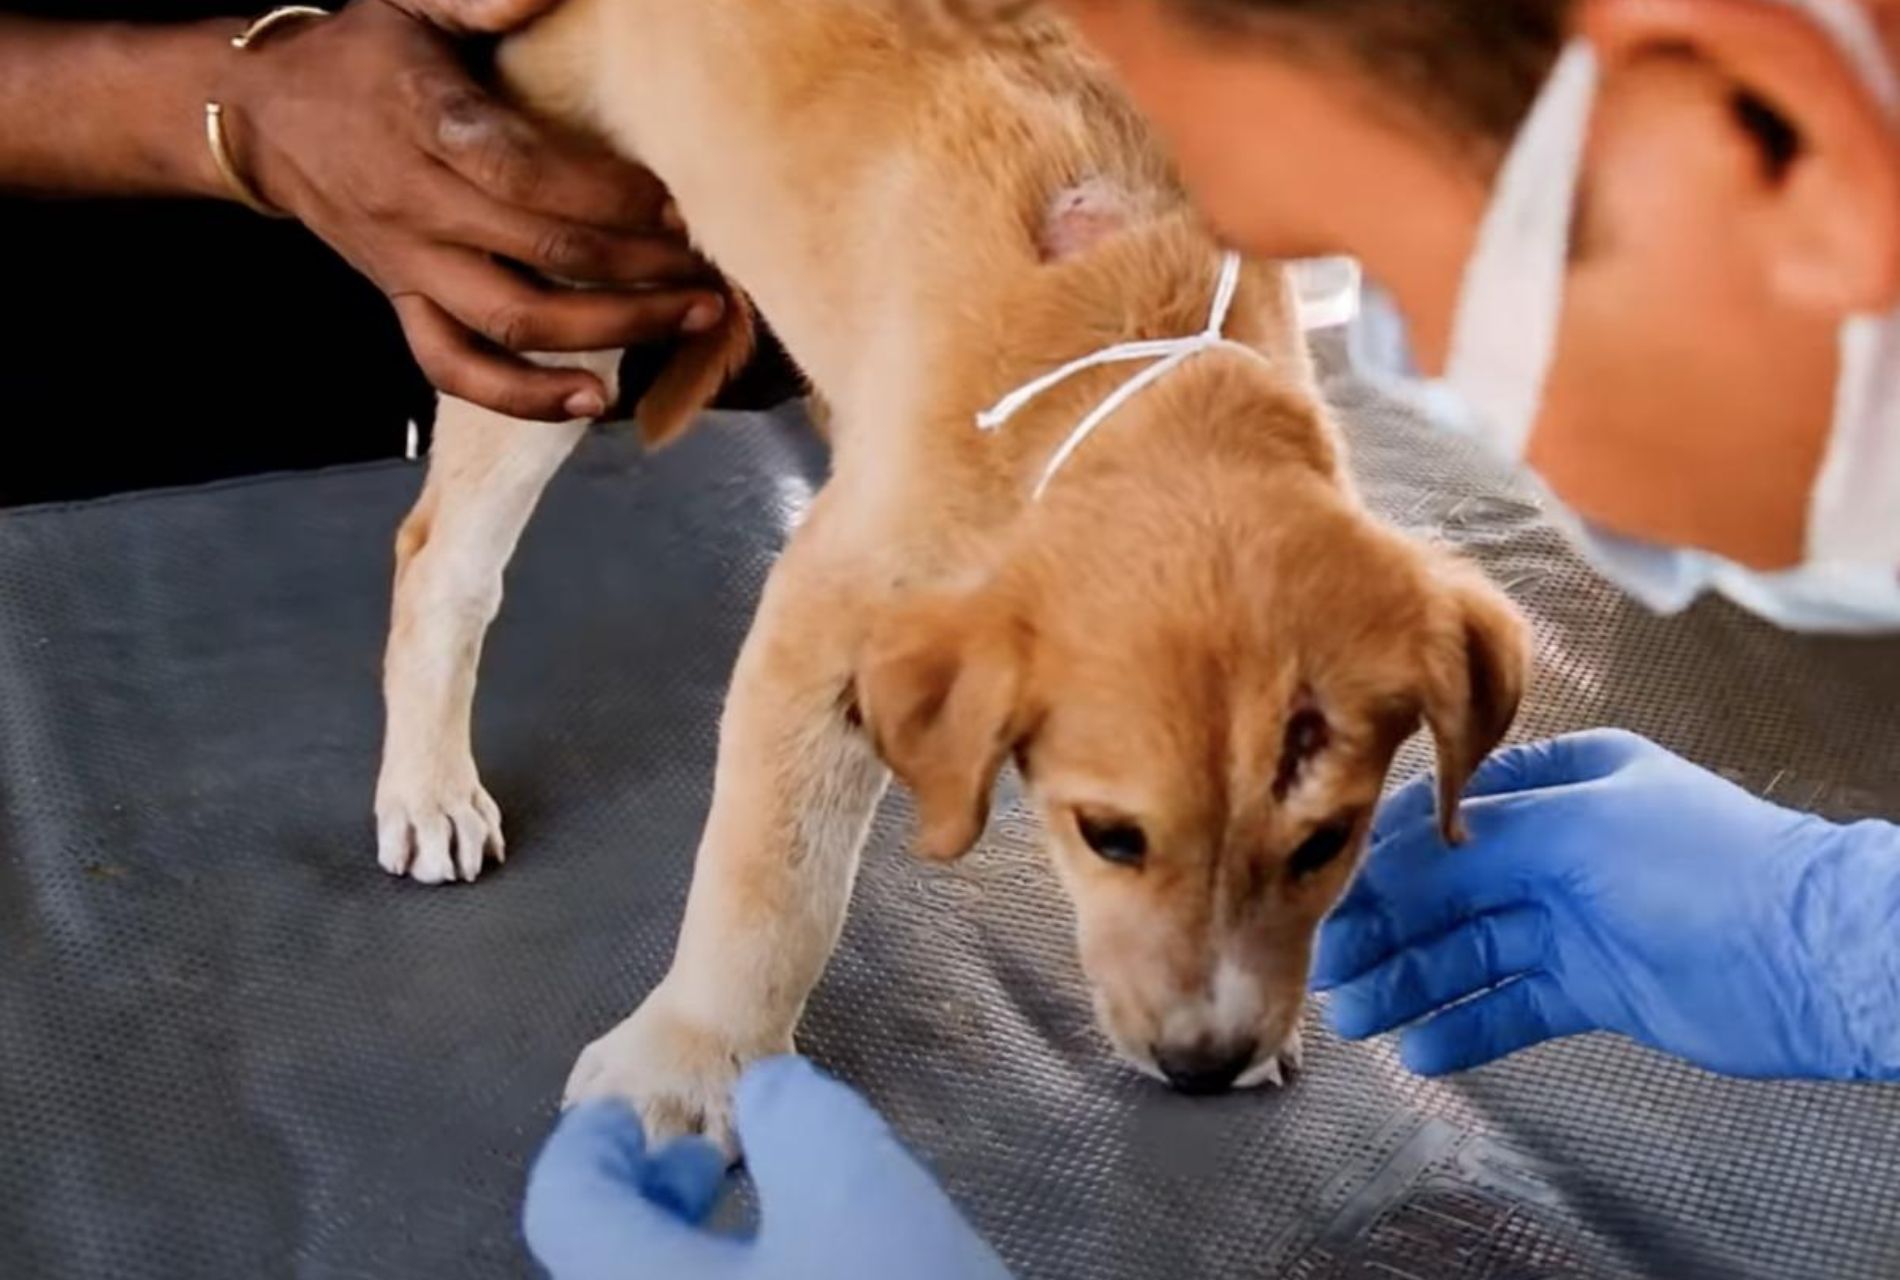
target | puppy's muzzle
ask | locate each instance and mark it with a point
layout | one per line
(1205, 1066)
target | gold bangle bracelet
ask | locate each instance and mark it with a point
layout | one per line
(241, 187)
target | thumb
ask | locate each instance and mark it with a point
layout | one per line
(1529, 766)
(829, 1170)
(814, 1146)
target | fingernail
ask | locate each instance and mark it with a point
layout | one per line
(703, 315)
(585, 404)
(671, 218)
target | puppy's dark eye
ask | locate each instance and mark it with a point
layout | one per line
(1319, 849)
(1116, 840)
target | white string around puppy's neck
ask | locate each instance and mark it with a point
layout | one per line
(1168, 355)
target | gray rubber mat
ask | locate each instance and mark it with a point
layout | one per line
(231, 1047)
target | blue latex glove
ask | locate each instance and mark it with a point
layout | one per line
(839, 1198)
(1609, 885)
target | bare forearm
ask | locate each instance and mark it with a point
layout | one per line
(368, 128)
(108, 108)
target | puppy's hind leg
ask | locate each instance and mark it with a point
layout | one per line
(434, 820)
(793, 797)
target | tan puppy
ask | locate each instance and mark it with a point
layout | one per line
(1198, 647)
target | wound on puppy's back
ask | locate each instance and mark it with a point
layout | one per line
(1081, 216)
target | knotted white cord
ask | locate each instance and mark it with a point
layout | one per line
(1168, 355)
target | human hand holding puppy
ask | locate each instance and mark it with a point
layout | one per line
(1610, 885)
(839, 1196)
(369, 129)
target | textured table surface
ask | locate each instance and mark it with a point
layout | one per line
(230, 1046)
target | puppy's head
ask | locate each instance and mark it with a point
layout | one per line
(1204, 691)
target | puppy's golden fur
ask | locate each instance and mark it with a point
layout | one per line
(1198, 647)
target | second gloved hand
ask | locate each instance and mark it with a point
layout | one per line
(1611, 885)
(839, 1198)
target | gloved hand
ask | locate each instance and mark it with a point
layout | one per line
(1611, 885)
(839, 1198)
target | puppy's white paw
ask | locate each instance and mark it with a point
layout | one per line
(678, 1073)
(1276, 1068)
(436, 825)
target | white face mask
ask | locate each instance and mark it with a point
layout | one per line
(1504, 339)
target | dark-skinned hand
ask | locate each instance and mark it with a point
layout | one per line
(370, 128)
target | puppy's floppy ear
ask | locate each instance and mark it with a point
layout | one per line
(1476, 669)
(939, 688)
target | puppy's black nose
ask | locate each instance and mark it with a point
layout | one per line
(1204, 1068)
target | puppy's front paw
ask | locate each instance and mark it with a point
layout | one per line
(677, 1072)
(435, 824)
(1276, 1068)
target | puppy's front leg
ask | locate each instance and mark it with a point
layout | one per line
(434, 820)
(793, 797)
